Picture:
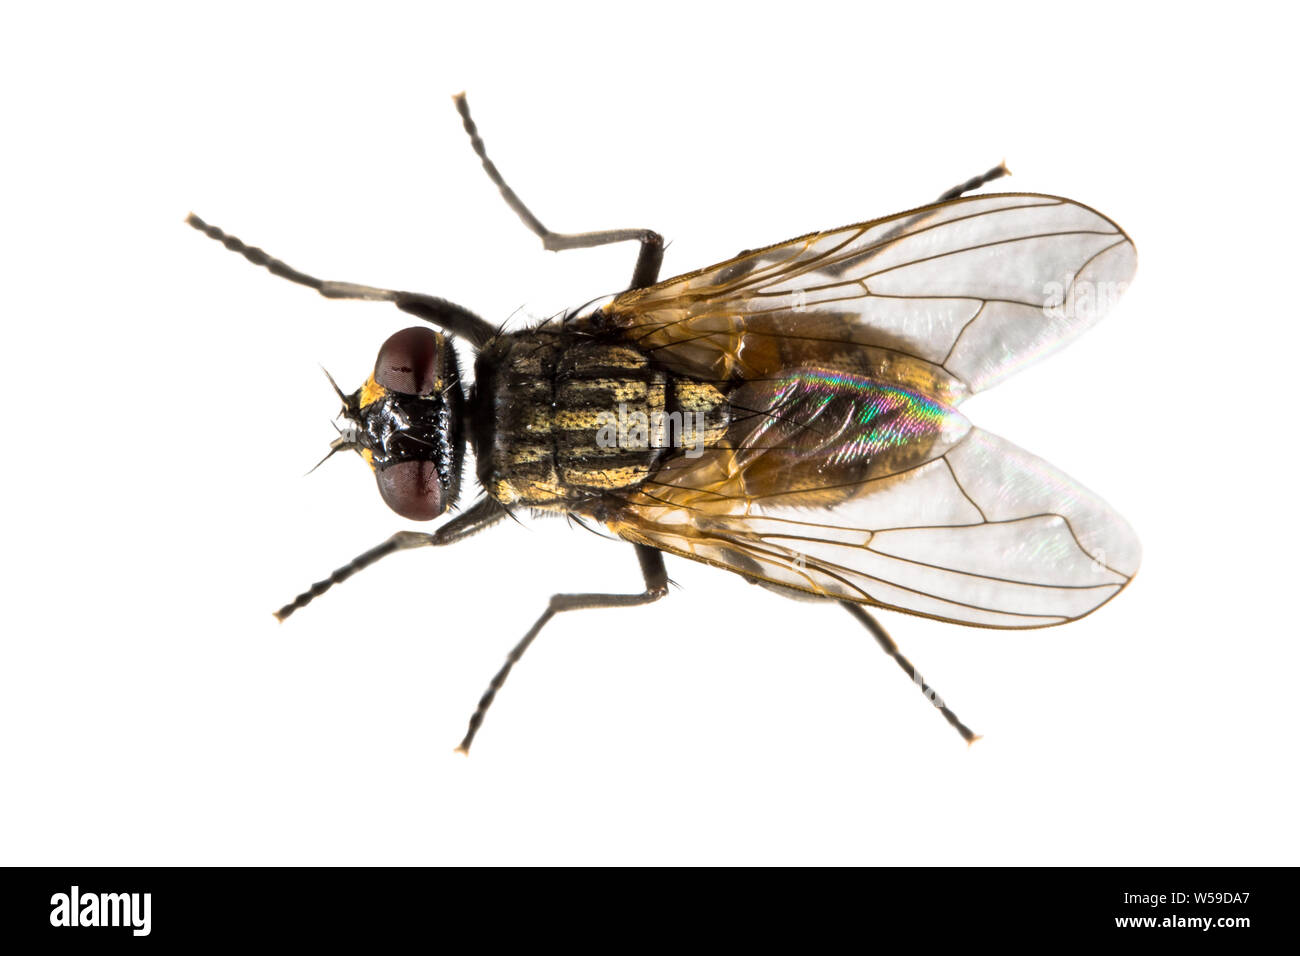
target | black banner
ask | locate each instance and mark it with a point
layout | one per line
(135, 907)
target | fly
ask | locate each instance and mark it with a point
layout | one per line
(790, 415)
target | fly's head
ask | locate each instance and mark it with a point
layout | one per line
(406, 422)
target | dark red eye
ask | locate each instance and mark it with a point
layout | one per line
(412, 489)
(411, 361)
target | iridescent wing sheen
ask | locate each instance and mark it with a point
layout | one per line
(846, 471)
(840, 486)
(949, 298)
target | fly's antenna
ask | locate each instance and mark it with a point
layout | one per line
(345, 441)
(337, 445)
(335, 385)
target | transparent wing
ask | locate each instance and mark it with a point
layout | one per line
(952, 297)
(980, 533)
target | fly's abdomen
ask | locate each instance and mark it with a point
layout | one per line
(564, 418)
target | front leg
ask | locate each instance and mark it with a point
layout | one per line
(485, 512)
(454, 318)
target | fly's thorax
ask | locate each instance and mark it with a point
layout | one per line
(560, 417)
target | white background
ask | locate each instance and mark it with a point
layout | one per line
(165, 400)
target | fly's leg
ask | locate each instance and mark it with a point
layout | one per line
(656, 586)
(975, 182)
(877, 243)
(889, 647)
(485, 512)
(447, 315)
(648, 261)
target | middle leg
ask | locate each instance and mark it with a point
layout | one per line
(649, 259)
(656, 586)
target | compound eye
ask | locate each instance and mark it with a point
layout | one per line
(410, 361)
(412, 489)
